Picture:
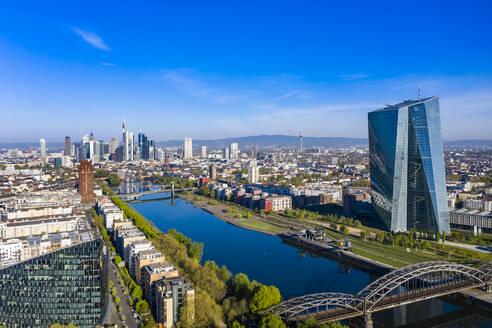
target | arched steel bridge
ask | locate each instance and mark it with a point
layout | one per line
(409, 284)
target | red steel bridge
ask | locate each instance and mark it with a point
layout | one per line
(406, 285)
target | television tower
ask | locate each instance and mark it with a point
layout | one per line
(301, 135)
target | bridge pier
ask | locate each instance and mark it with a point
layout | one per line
(368, 320)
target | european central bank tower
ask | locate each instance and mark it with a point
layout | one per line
(407, 166)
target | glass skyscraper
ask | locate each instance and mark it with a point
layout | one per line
(64, 286)
(407, 166)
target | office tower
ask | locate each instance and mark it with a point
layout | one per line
(212, 172)
(101, 150)
(188, 148)
(68, 285)
(91, 137)
(127, 144)
(68, 147)
(407, 166)
(204, 151)
(94, 150)
(225, 153)
(119, 154)
(254, 152)
(86, 182)
(113, 144)
(253, 172)
(42, 150)
(131, 146)
(233, 150)
(106, 148)
(143, 146)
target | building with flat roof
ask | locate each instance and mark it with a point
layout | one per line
(37, 293)
(170, 295)
(154, 272)
(468, 219)
(407, 166)
(146, 257)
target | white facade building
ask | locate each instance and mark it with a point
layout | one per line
(42, 150)
(188, 148)
(233, 150)
(204, 151)
(253, 172)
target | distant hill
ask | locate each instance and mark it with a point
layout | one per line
(269, 141)
(468, 143)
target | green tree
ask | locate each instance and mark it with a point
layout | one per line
(117, 260)
(137, 293)
(272, 321)
(236, 324)
(117, 300)
(187, 313)
(264, 297)
(240, 285)
(114, 180)
(142, 306)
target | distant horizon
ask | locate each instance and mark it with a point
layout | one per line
(48, 142)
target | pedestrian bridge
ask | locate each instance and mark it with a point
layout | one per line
(406, 285)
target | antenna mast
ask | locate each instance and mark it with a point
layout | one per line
(420, 92)
(301, 135)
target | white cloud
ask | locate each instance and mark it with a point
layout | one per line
(107, 64)
(92, 38)
(284, 96)
(351, 77)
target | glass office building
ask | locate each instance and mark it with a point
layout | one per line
(407, 166)
(64, 286)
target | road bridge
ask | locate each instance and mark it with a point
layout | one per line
(402, 286)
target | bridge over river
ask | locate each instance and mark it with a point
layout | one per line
(133, 192)
(402, 286)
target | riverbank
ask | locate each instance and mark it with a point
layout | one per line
(219, 210)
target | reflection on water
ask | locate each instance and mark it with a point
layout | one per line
(266, 259)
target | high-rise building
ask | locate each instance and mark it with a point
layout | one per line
(101, 150)
(143, 146)
(127, 144)
(233, 150)
(225, 153)
(86, 182)
(212, 171)
(68, 147)
(407, 166)
(68, 285)
(188, 148)
(113, 144)
(42, 150)
(253, 172)
(204, 151)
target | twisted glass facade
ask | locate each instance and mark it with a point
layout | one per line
(65, 286)
(407, 166)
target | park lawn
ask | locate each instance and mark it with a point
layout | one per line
(260, 225)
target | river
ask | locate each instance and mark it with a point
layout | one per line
(295, 272)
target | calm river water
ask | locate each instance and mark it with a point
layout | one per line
(295, 272)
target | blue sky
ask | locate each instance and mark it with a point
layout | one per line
(212, 69)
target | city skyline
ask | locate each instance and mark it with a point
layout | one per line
(316, 67)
